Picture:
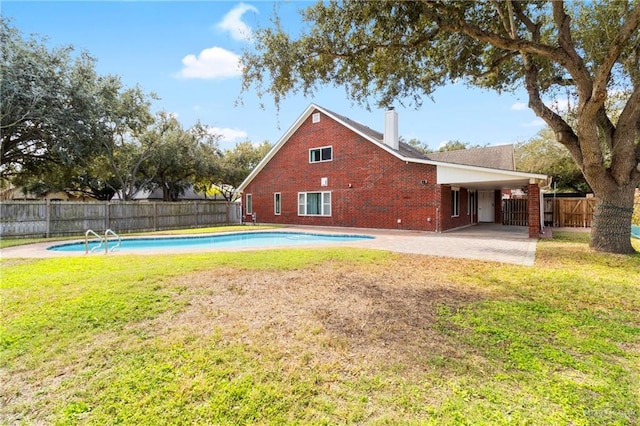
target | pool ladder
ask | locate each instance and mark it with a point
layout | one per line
(103, 241)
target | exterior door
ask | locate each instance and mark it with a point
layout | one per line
(486, 206)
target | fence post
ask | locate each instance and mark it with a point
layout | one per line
(195, 212)
(155, 215)
(48, 218)
(107, 211)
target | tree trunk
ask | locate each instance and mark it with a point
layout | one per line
(611, 226)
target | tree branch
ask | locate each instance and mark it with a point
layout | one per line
(503, 17)
(564, 133)
(496, 64)
(626, 31)
(578, 70)
(628, 124)
(523, 46)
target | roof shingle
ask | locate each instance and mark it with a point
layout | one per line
(495, 157)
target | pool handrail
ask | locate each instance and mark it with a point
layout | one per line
(86, 241)
(106, 241)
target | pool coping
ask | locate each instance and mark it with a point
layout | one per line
(166, 249)
(478, 243)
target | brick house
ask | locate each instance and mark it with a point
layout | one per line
(328, 170)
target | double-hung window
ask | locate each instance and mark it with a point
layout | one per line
(314, 204)
(455, 202)
(324, 153)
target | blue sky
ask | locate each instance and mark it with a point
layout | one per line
(187, 52)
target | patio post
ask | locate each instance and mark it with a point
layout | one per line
(533, 197)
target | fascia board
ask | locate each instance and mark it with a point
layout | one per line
(450, 175)
(500, 172)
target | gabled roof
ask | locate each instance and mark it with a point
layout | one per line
(404, 149)
(406, 152)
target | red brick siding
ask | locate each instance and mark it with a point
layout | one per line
(533, 206)
(370, 188)
(449, 221)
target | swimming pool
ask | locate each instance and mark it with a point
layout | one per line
(234, 240)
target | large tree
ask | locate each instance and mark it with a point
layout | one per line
(180, 157)
(45, 104)
(402, 51)
(121, 135)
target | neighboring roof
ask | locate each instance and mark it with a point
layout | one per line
(499, 166)
(495, 157)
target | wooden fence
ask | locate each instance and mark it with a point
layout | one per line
(515, 212)
(51, 218)
(569, 212)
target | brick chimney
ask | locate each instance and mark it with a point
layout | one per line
(391, 128)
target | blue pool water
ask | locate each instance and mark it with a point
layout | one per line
(236, 240)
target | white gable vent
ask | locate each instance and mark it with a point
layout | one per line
(315, 118)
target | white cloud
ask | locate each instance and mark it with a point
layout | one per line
(232, 22)
(519, 106)
(228, 135)
(214, 62)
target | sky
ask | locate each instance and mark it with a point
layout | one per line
(187, 52)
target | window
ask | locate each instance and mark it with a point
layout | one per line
(249, 206)
(320, 154)
(315, 118)
(276, 203)
(314, 204)
(455, 202)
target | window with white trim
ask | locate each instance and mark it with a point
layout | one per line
(455, 202)
(324, 153)
(276, 203)
(249, 204)
(314, 203)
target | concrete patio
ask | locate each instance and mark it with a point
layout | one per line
(489, 242)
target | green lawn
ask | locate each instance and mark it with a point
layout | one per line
(322, 336)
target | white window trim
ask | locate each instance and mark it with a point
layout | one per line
(320, 148)
(326, 208)
(315, 118)
(455, 207)
(277, 206)
(249, 204)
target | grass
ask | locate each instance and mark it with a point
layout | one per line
(322, 336)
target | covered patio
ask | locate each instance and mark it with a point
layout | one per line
(487, 186)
